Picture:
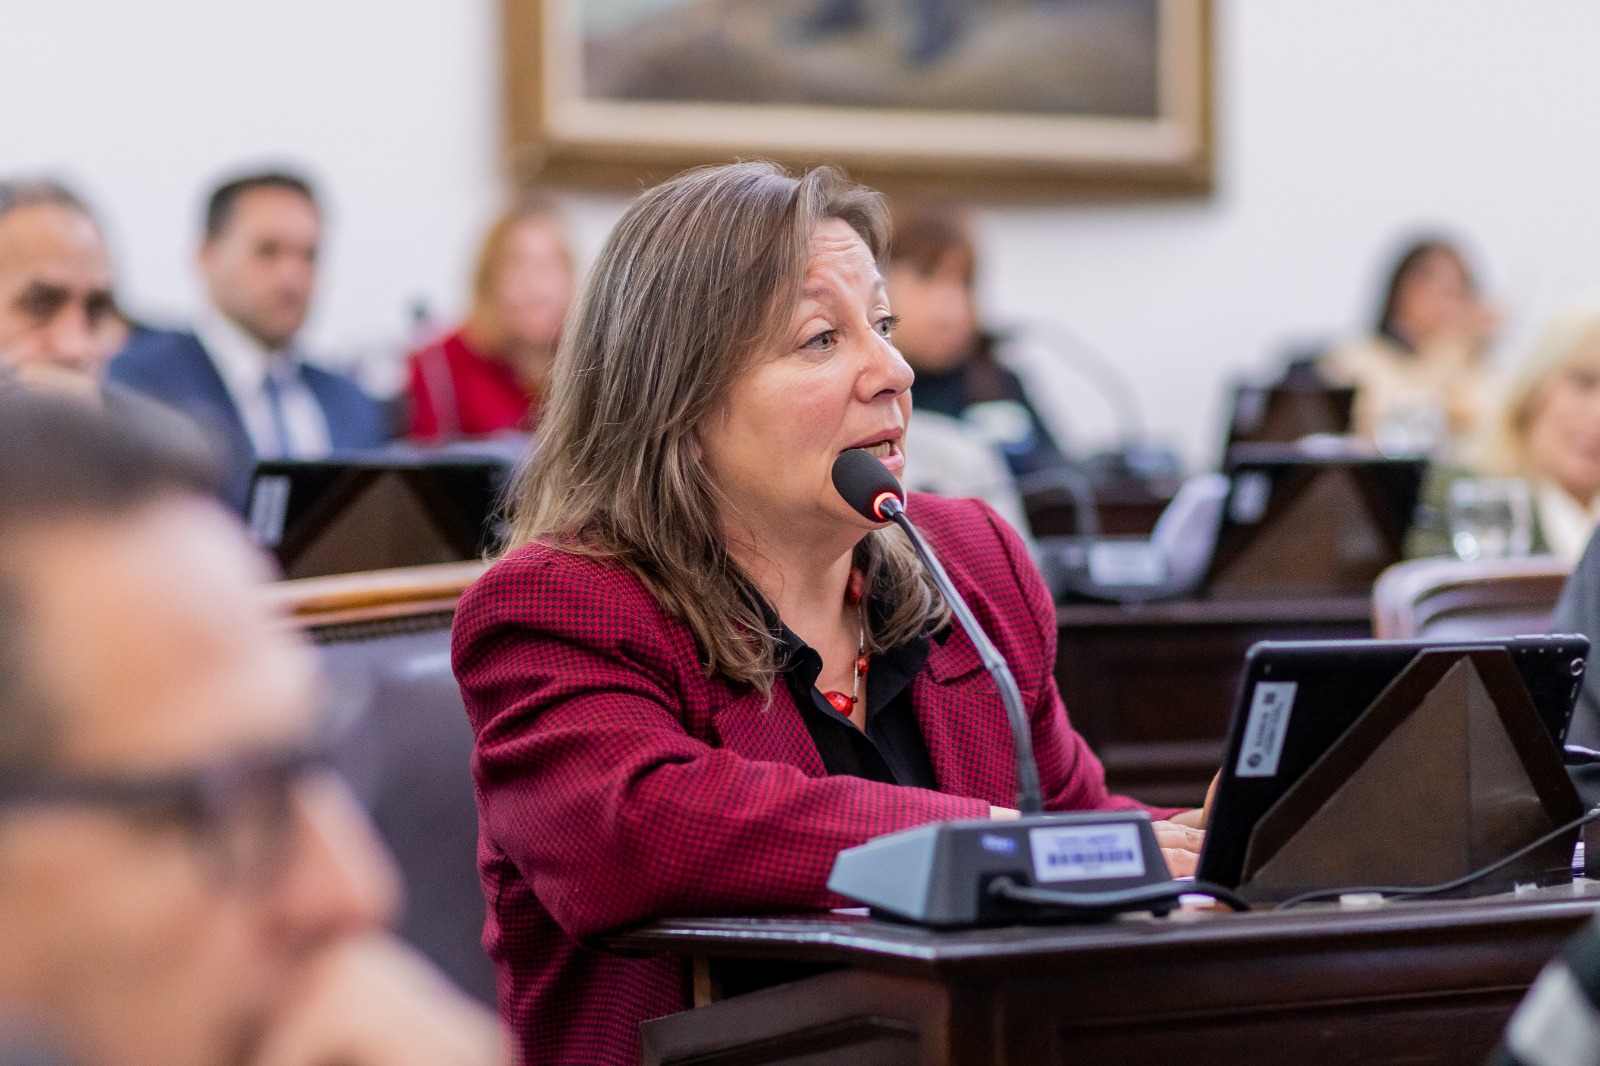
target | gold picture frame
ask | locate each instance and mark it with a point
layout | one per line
(560, 130)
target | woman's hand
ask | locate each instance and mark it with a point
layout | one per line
(1200, 817)
(1180, 846)
(1182, 835)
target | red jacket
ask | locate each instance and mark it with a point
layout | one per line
(457, 391)
(616, 783)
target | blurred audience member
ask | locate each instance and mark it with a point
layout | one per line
(180, 882)
(1547, 430)
(489, 375)
(1578, 611)
(1422, 381)
(930, 270)
(59, 322)
(240, 373)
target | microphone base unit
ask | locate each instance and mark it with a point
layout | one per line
(971, 873)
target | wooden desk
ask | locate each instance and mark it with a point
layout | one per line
(1426, 984)
(1151, 686)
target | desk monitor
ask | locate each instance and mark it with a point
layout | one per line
(1304, 521)
(1398, 759)
(345, 515)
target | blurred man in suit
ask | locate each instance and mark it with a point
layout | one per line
(58, 317)
(182, 882)
(240, 372)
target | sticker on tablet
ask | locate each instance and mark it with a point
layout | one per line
(269, 506)
(1265, 728)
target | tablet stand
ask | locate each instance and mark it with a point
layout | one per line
(1447, 771)
(375, 519)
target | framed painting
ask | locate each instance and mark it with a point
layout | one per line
(1002, 96)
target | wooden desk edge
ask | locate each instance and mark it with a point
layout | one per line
(374, 595)
(874, 944)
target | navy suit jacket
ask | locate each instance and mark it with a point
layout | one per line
(173, 367)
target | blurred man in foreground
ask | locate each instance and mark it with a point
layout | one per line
(59, 323)
(181, 883)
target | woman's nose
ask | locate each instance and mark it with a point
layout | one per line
(887, 373)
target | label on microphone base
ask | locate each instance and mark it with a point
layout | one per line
(1086, 852)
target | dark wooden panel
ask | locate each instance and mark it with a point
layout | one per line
(848, 1017)
(1151, 687)
(1446, 1031)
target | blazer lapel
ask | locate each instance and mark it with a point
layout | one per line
(215, 408)
(768, 732)
(964, 723)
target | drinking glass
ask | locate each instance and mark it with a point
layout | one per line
(1490, 517)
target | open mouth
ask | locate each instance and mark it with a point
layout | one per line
(881, 450)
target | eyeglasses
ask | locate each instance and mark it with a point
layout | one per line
(241, 812)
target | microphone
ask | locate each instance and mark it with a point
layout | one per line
(1080, 866)
(867, 486)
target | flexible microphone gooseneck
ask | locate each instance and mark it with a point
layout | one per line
(867, 486)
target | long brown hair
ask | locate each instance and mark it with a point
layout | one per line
(699, 276)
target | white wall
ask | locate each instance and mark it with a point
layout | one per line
(391, 107)
(1340, 124)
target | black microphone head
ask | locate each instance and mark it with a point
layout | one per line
(866, 484)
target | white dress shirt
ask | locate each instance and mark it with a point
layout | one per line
(1566, 523)
(245, 365)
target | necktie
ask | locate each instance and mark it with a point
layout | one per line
(280, 424)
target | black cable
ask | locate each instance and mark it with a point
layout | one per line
(1115, 900)
(1448, 886)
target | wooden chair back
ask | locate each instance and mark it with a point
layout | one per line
(403, 742)
(1449, 599)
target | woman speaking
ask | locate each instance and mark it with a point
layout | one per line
(698, 674)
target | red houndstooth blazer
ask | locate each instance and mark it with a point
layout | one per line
(616, 783)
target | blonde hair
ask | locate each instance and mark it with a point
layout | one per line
(700, 275)
(1502, 448)
(483, 321)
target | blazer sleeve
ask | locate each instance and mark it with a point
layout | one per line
(1070, 775)
(610, 809)
(1579, 612)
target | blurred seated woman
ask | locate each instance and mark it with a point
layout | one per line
(1422, 381)
(698, 674)
(1546, 431)
(489, 376)
(930, 269)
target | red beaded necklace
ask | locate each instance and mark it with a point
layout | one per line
(842, 703)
